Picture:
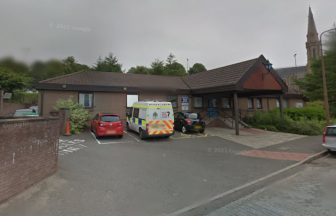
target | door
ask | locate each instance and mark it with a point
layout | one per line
(212, 107)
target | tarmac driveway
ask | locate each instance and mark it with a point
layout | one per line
(133, 177)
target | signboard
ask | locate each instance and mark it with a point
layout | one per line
(7, 95)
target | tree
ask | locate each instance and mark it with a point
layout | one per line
(10, 81)
(14, 65)
(158, 67)
(108, 64)
(311, 84)
(71, 65)
(139, 70)
(196, 68)
(173, 68)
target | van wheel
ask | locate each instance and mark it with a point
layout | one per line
(141, 134)
(184, 129)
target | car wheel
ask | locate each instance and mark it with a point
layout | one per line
(201, 131)
(120, 136)
(184, 129)
(141, 134)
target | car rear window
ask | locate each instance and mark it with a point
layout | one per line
(109, 118)
(192, 115)
(331, 131)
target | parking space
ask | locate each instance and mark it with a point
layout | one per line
(129, 176)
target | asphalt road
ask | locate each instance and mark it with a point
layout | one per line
(125, 177)
(311, 191)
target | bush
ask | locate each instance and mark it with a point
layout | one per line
(272, 121)
(22, 97)
(312, 111)
(78, 115)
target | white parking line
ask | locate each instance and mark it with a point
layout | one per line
(94, 136)
(129, 134)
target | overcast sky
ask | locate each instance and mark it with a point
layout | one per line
(213, 32)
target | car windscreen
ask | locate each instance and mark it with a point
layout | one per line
(192, 115)
(109, 118)
(331, 131)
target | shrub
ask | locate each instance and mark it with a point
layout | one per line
(78, 115)
(28, 98)
(312, 110)
(272, 121)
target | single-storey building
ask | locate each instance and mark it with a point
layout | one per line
(227, 92)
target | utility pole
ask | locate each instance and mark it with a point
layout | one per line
(187, 65)
(324, 79)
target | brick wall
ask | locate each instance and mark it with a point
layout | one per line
(28, 153)
(8, 109)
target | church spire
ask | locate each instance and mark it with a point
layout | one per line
(313, 45)
(312, 34)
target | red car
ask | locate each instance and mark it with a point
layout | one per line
(104, 124)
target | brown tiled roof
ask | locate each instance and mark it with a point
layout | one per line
(223, 76)
(110, 79)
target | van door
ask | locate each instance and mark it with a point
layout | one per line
(161, 121)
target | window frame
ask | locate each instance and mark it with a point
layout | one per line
(127, 99)
(229, 100)
(260, 102)
(194, 100)
(92, 99)
(252, 103)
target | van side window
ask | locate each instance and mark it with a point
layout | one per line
(136, 112)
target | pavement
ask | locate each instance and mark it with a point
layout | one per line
(311, 191)
(130, 176)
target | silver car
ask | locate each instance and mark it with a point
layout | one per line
(329, 138)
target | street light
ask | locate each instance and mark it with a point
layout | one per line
(324, 79)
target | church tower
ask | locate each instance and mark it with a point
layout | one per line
(313, 45)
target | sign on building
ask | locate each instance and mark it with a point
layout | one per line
(185, 103)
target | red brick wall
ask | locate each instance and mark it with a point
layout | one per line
(28, 153)
(9, 108)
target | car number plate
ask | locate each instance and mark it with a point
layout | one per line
(111, 132)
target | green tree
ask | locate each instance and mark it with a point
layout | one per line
(71, 65)
(14, 65)
(139, 70)
(196, 68)
(109, 64)
(173, 68)
(311, 84)
(158, 67)
(10, 81)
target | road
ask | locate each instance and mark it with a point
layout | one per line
(125, 177)
(311, 191)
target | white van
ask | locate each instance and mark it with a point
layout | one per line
(329, 138)
(151, 119)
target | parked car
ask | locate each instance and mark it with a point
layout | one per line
(189, 122)
(104, 124)
(151, 119)
(30, 112)
(329, 138)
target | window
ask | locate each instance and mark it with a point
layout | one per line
(331, 131)
(198, 102)
(173, 100)
(132, 99)
(250, 104)
(226, 102)
(299, 104)
(136, 112)
(86, 99)
(110, 118)
(259, 103)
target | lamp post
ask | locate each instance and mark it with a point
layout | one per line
(324, 79)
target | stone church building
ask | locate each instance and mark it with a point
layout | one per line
(294, 96)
